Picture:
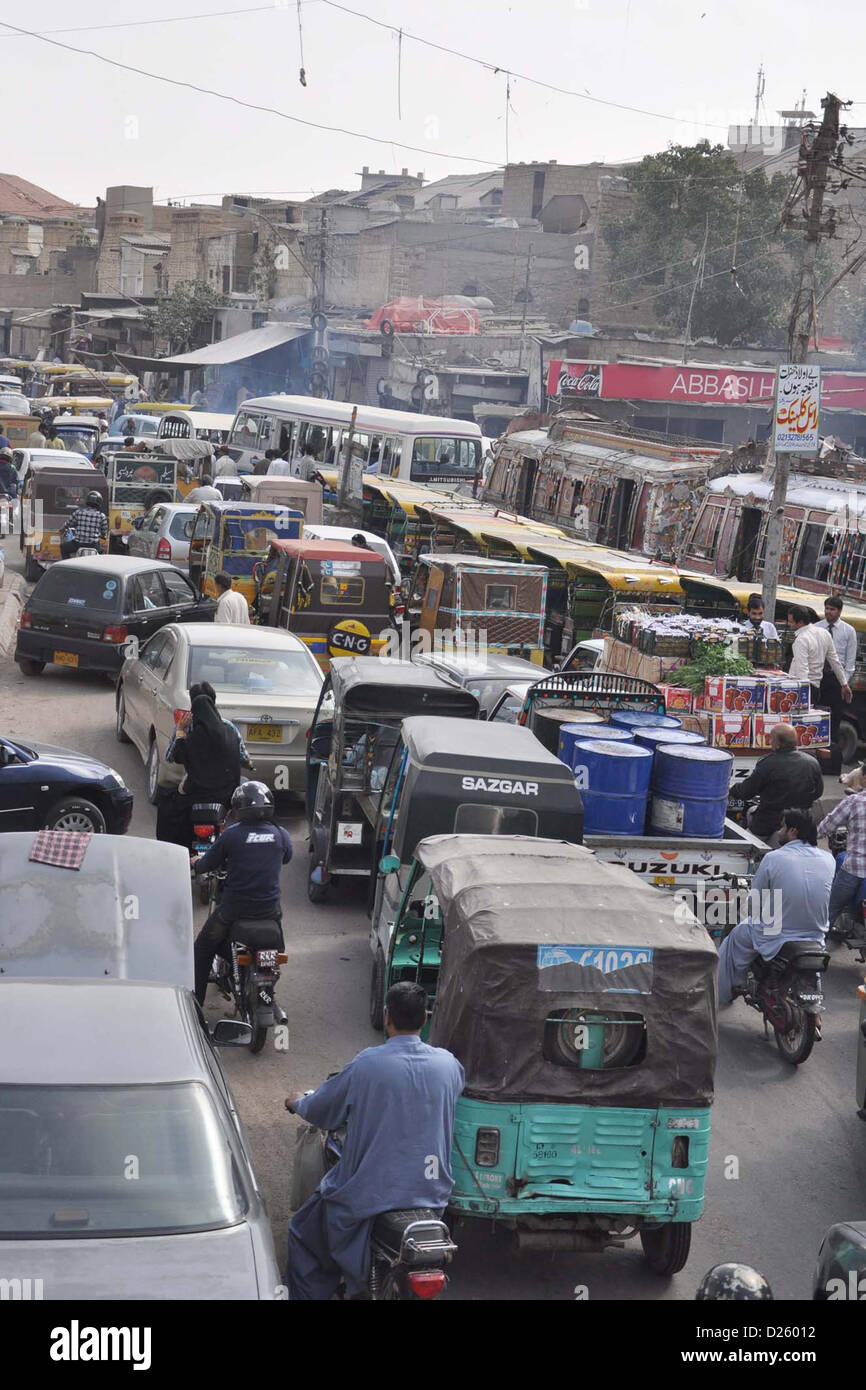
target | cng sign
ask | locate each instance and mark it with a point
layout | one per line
(349, 637)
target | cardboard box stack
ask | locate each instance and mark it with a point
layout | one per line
(742, 711)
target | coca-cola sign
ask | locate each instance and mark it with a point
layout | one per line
(574, 379)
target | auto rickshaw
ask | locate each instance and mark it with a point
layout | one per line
(470, 779)
(52, 492)
(17, 429)
(361, 705)
(289, 492)
(233, 537)
(502, 604)
(335, 597)
(582, 1008)
(137, 481)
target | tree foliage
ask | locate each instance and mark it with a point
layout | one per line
(180, 317)
(680, 196)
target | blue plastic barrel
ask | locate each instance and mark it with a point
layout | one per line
(613, 779)
(635, 719)
(653, 737)
(570, 734)
(690, 790)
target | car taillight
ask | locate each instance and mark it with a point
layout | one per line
(25, 620)
(115, 634)
(426, 1283)
(163, 550)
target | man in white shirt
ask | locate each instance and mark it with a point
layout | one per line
(231, 607)
(755, 613)
(813, 646)
(845, 642)
(205, 492)
(280, 467)
(225, 464)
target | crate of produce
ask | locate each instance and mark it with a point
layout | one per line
(812, 728)
(734, 694)
(678, 698)
(786, 696)
(761, 651)
(730, 730)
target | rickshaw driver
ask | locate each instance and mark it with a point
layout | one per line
(797, 878)
(397, 1102)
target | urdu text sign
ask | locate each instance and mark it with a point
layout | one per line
(798, 398)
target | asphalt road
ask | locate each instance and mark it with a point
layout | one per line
(788, 1155)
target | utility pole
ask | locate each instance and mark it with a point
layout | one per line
(759, 92)
(346, 470)
(813, 170)
(529, 259)
(323, 232)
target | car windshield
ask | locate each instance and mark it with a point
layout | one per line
(81, 438)
(254, 670)
(76, 587)
(89, 1161)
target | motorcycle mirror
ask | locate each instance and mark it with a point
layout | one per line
(389, 864)
(231, 1032)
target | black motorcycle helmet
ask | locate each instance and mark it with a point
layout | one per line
(94, 499)
(725, 1283)
(253, 801)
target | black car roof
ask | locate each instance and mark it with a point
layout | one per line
(441, 742)
(117, 564)
(348, 672)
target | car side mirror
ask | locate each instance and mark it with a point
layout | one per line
(231, 1032)
(389, 864)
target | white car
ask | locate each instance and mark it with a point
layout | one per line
(345, 533)
(267, 683)
(163, 533)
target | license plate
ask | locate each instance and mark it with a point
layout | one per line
(265, 733)
(664, 880)
(65, 659)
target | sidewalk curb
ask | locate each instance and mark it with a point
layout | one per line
(11, 601)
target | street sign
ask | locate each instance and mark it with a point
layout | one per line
(798, 403)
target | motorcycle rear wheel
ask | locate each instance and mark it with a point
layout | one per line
(796, 1045)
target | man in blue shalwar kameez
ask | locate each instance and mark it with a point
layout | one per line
(397, 1104)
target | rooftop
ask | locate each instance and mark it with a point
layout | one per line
(18, 196)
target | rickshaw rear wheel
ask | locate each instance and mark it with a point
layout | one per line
(377, 991)
(316, 892)
(666, 1248)
(32, 568)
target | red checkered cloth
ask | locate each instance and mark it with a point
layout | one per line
(63, 848)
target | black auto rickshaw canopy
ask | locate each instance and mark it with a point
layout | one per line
(538, 935)
(370, 687)
(489, 779)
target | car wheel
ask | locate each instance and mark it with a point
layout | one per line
(75, 813)
(31, 668)
(849, 741)
(151, 772)
(120, 720)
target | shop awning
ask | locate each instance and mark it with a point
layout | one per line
(236, 349)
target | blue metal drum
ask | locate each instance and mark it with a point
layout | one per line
(652, 737)
(613, 779)
(690, 790)
(570, 734)
(643, 719)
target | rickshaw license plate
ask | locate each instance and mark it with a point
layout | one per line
(265, 733)
(65, 659)
(349, 832)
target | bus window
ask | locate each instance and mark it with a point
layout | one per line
(389, 462)
(286, 437)
(312, 441)
(247, 426)
(436, 456)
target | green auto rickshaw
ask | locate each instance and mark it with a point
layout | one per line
(582, 1005)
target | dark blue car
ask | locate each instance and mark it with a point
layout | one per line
(55, 788)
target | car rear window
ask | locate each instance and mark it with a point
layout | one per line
(76, 587)
(181, 525)
(255, 670)
(67, 1154)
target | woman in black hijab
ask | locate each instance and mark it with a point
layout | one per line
(209, 750)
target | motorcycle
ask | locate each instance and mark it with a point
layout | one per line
(248, 975)
(409, 1249)
(786, 991)
(208, 818)
(850, 925)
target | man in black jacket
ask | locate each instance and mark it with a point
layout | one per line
(784, 778)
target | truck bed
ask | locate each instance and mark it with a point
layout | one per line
(672, 861)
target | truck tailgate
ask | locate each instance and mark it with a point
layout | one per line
(670, 861)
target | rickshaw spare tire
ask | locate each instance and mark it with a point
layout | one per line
(666, 1248)
(156, 495)
(386, 328)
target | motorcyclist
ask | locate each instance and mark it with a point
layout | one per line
(732, 1282)
(252, 851)
(88, 526)
(397, 1103)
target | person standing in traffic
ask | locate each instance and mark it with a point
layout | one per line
(790, 898)
(252, 851)
(54, 441)
(844, 639)
(231, 606)
(205, 492)
(813, 647)
(224, 464)
(397, 1103)
(8, 475)
(785, 777)
(851, 811)
(36, 439)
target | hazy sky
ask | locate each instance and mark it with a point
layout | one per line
(80, 125)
